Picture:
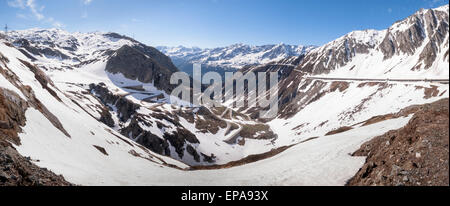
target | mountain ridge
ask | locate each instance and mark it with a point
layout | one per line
(233, 57)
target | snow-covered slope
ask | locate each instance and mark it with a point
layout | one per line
(97, 116)
(60, 135)
(361, 75)
(89, 153)
(125, 85)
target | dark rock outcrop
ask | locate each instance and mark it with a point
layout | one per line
(125, 108)
(106, 118)
(154, 143)
(192, 152)
(178, 140)
(144, 64)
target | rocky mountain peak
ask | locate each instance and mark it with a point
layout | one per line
(423, 35)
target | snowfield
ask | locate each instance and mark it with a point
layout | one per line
(338, 109)
(322, 161)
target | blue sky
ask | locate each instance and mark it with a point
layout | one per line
(212, 23)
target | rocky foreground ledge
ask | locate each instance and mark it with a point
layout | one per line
(16, 170)
(415, 155)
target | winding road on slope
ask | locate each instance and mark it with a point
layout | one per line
(362, 79)
(380, 80)
(233, 135)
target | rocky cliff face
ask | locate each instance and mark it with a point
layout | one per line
(424, 34)
(410, 34)
(339, 52)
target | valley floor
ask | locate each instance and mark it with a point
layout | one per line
(322, 161)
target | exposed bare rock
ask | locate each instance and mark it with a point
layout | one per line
(127, 111)
(406, 41)
(42, 78)
(415, 155)
(125, 108)
(178, 140)
(3, 59)
(339, 130)
(101, 149)
(247, 160)
(133, 130)
(257, 131)
(154, 143)
(106, 118)
(36, 50)
(12, 115)
(431, 23)
(210, 123)
(193, 152)
(337, 53)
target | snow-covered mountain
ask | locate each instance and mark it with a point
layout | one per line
(125, 85)
(232, 57)
(355, 77)
(95, 108)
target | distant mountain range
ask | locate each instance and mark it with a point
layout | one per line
(231, 58)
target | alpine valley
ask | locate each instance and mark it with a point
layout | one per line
(369, 108)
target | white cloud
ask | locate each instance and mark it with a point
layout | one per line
(17, 4)
(31, 4)
(87, 2)
(85, 15)
(58, 24)
(35, 10)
